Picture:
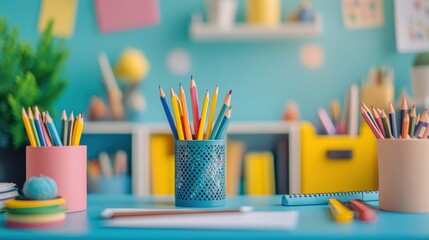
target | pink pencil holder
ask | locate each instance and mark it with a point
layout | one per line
(67, 166)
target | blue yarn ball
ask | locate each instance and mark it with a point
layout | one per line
(40, 188)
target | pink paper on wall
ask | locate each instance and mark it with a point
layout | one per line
(116, 15)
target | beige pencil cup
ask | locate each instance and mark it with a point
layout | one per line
(403, 167)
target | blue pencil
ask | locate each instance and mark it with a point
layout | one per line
(392, 120)
(53, 130)
(168, 113)
(39, 127)
(224, 125)
(220, 116)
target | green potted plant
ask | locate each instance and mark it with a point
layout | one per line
(28, 77)
(420, 77)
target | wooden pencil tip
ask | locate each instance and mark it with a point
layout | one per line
(230, 92)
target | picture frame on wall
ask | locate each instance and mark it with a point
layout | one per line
(412, 25)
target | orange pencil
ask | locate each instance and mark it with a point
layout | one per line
(405, 126)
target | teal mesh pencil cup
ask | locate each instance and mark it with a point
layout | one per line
(200, 173)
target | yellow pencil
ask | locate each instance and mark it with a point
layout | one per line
(203, 116)
(77, 131)
(186, 126)
(212, 111)
(28, 128)
(176, 115)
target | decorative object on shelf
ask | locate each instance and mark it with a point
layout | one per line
(378, 87)
(40, 188)
(363, 13)
(304, 14)
(221, 13)
(291, 112)
(263, 12)
(420, 77)
(131, 69)
(411, 24)
(262, 22)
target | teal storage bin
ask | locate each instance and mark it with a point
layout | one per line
(200, 173)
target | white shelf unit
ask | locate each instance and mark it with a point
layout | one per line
(141, 134)
(202, 31)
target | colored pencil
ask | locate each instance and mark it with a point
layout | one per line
(186, 126)
(194, 101)
(422, 125)
(370, 123)
(70, 129)
(335, 112)
(33, 126)
(47, 136)
(64, 127)
(176, 114)
(392, 120)
(168, 113)
(37, 122)
(222, 112)
(386, 125)
(326, 121)
(224, 125)
(412, 121)
(53, 131)
(405, 126)
(368, 111)
(212, 111)
(202, 123)
(78, 133)
(404, 109)
(377, 119)
(28, 128)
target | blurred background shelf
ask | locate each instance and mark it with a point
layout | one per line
(202, 31)
(142, 137)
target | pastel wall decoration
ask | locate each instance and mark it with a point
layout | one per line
(311, 56)
(179, 62)
(114, 15)
(412, 25)
(363, 13)
(62, 12)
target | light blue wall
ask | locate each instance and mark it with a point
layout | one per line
(262, 74)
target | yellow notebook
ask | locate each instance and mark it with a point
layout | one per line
(162, 164)
(259, 173)
(338, 163)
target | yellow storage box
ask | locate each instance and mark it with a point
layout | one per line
(338, 163)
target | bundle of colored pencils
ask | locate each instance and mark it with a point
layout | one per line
(181, 124)
(41, 130)
(384, 125)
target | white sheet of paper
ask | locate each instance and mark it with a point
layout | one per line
(284, 220)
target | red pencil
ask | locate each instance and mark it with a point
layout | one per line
(370, 123)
